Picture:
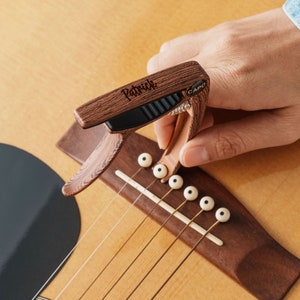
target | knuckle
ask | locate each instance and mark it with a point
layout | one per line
(229, 145)
(228, 36)
(234, 70)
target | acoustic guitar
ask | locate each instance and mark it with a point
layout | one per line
(55, 56)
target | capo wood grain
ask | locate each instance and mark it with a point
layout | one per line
(143, 91)
(249, 254)
(132, 106)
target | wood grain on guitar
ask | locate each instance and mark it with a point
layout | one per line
(249, 254)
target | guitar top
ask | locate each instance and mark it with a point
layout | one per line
(55, 55)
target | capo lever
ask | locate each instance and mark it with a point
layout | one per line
(181, 89)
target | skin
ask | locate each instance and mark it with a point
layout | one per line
(254, 66)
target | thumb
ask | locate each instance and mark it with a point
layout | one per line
(260, 130)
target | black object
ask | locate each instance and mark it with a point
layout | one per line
(143, 114)
(38, 225)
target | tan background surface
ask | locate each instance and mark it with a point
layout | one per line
(56, 55)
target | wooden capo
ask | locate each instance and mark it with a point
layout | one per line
(181, 90)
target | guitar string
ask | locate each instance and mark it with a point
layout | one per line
(164, 253)
(184, 260)
(144, 248)
(100, 215)
(124, 244)
(102, 241)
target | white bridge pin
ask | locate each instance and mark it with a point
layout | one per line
(145, 160)
(207, 203)
(222, 215)
(175, 182)
(160, 171)
(190, 193)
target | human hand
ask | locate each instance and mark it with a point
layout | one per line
(254, 66)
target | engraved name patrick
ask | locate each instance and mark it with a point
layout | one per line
(137, 90)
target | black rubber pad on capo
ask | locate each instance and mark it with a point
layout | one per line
(144, 114)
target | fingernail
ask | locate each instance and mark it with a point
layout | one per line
(194, 156)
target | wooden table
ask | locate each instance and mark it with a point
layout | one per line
(56, 55)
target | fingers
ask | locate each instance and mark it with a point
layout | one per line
(170, 58)
(175, 52)
(191, 40)
(164, 127)
(261, 130)
(224, 89)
